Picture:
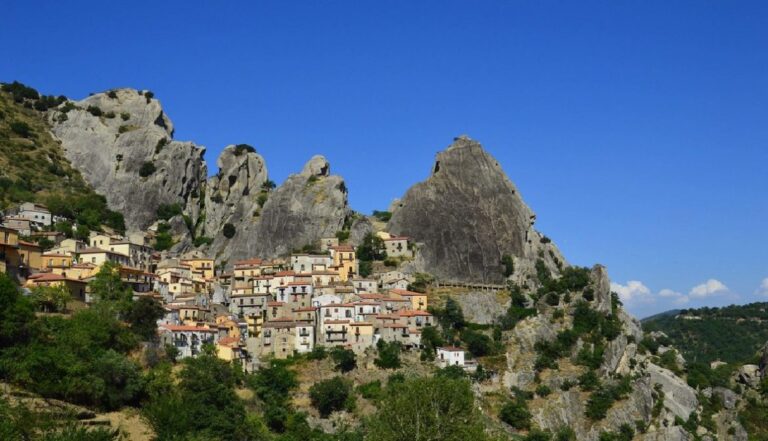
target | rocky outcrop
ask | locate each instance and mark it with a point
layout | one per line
(482, 307)
(679, 398)
(234, 196)
(468, 215)
(306, 207)
(121, 142)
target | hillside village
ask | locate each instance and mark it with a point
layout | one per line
(255, 310)
(230, 307)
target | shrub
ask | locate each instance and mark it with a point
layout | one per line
(112, 94)
(123, 128)
(229, 231)
(262, 198)
(331, 395)
(125, 116)
(268, 185)
(383, 216)
(588, 381)
(342, 235)
(167, 211)
(163, 239)
(509, 265)
(147, 168)
(388, 355)
(149, 95)
(162, 142)
(21, 128)
(94, 110)
(317, 353)
(516, 414)
(344, 359)
(543, 390)
(478, 344)
(244, 148)
(202, 240)
(109, 115)
(371, 391)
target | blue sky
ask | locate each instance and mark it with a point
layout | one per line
(637, 131)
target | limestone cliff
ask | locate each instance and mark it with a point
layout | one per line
(234, 196)
(468, 215)
(121, 142)
(306, 207)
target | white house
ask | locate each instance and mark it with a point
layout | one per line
(189, 340)
(36, 213)
(450, 356)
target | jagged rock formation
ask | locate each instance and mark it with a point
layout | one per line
(234, 195)
(306, 207)
(468, 215)
(567, 406)
(110, 137)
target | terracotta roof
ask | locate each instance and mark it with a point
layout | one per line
(451, 349)
(28, 244)
(406, 293)
(342, 248)
(413, 313)
(92, 250)
(370, 296)
(180, 328)
(227, 341)
(51, 277)
(275, 303)
(285, 273)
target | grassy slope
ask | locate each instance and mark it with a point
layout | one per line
(35, 167)
(732, 334)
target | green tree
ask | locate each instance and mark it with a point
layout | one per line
(344, 359)
(427, 409)
(388, 355)
(50, 298)
(229, 231)
(371, 248)
(516, 414)
(203, 405)
(430, 340)
(16, 314)
(509, 265)
(109, 290)
(331, 395)
(143, 315)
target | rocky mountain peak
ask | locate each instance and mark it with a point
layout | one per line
(468, 215)
(317, 166)
(121, 142)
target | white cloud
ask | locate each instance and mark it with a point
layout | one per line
(763, 289)
(676, 297)
(633, 291)
(641, 300)
(707, 289)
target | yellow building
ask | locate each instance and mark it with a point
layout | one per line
(52, 261)
(344, 261)
(9, 249)
(229, 349)
(99, 257)
(76, 288)
(418, 299)
(30, 255)
(201, 268)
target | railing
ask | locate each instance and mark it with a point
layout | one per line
(469, 285)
